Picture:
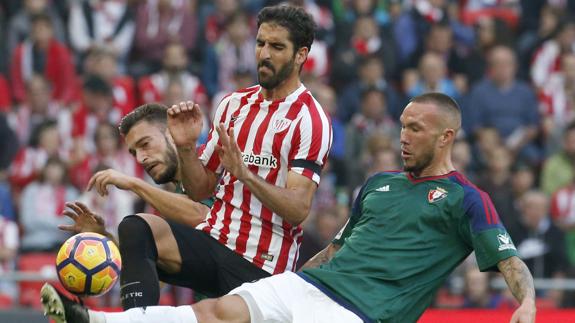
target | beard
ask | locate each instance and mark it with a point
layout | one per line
(420, 164)
(276, 78)
(171, 162)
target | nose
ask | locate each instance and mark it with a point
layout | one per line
(264, 52)
(141, 157)
(403, 137)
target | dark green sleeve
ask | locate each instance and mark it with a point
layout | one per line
(492, 246)
(209, 202)
(353, 219)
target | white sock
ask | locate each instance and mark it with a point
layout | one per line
(150, 314)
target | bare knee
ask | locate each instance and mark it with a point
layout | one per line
(227, 309)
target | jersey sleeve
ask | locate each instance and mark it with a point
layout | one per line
(482, 227)
(207, 152)
(353, 219)
(311, 144)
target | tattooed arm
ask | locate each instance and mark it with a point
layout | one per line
(322, 257)
(520, 283)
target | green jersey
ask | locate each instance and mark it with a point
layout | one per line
(404, 237)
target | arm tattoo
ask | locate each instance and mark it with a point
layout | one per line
(321, 257)
(518, 278)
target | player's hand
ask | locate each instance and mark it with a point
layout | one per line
(84, 219)
(102, 179)
(230, 153)
(524, 314)
(185, 122)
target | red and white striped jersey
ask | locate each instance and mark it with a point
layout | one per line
(291, 134)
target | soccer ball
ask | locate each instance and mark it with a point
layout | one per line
(88, 264)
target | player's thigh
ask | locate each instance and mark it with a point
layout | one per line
(169, 257)
(227, 309)
(289, 298)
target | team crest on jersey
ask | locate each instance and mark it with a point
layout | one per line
(505, 242)
(280, 124)
(436, 194)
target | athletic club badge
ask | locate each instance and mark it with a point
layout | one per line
(436, 194)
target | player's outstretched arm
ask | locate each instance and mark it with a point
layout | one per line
(84, 220)
(322, 257)
(520, 283)
(173, 206)
(185, 123)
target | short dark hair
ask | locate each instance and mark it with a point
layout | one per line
(97, 85)
(39, 129)
(151, 112)
(41, 17)
(443, 102)
(299, 23)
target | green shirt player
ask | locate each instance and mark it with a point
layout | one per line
(407, 231)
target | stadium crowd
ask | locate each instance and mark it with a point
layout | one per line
(69, 70)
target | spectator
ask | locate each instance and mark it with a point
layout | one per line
(540, 243)
(432, 77)
(506, 104)
(371, 120)
(366, 40)
(102, 62)
(563, 215)
(41, 207)
(44, 144)
(37, 107)
(557, 102)
(546, 60)
(9, 243)
(439, 40)
(233, 50)
(5, 95)
(557, 170)
(243, 78)
(496, 181)
(96, 107)
(534, 36)
(159, 23)
(43, 54)
(215, 16)
(152, 88)
(490, 32)
(8, 149)
(371, 73)
(461, 158)
(101, 23)
(19, 25)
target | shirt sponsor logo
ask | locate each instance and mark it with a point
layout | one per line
(505, 242)
(281, 124)
(267, 161)
(436, 194)
(384, 188)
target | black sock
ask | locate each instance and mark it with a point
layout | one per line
(139, 279)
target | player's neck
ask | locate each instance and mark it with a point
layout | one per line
(281, 91)
(436, 169)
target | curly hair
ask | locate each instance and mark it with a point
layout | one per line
(299, 23)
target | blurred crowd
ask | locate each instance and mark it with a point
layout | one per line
(70, 69)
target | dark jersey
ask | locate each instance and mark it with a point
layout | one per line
(403, 238)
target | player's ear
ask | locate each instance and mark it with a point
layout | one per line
(447, 137)
(301, 55)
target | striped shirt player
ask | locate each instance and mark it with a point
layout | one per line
(291, 134)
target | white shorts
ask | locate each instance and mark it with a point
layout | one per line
(289, 298)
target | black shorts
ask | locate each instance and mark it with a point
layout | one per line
(208, 266)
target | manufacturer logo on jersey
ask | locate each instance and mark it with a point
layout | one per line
(384, 188)
(267, 161)
(505, 242)
(436, 194)
(281, 124)
(267, 257)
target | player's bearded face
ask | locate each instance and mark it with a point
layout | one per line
(270, 77)
(170, 161)
(421, 161)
